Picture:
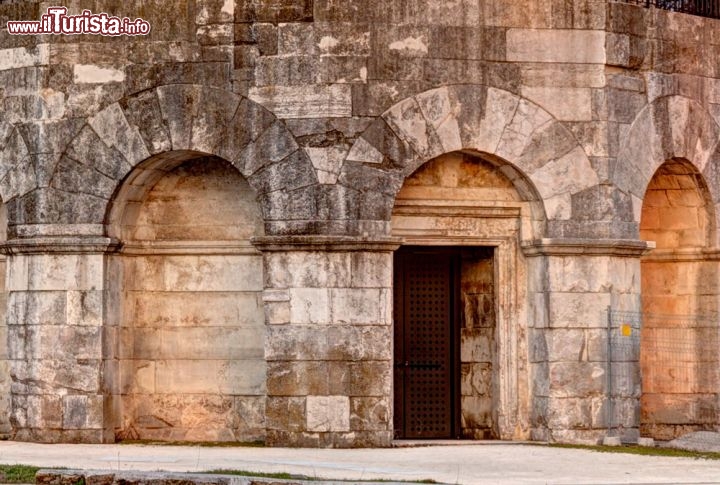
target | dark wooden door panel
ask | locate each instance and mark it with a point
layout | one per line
(425, 350)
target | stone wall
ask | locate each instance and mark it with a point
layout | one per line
(323, 110)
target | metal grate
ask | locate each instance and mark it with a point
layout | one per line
(670, 362)
(622, 373)
(702, 8)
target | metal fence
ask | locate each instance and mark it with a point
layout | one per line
(663, 374)
(702, 8)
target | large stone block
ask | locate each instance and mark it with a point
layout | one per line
(63, 376)
(565, 104)
(364, 378)
(577, 379)
(36, 308)
(571, 46)
(195, 342)
(114, 130)
(328, 413)
(239, 377)
(310, 305)
(569, 413)
(297, 378)
(359, 306)
(307, 269)
(212, 273)
(58, 272)
(578, 310)
(330, 101)
(82, 412)
(370, 414)
(182, 309)
(286, 414)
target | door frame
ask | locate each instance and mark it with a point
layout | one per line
(426, 224)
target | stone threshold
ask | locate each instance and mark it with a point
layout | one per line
(419, 443)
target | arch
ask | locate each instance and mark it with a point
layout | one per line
(471, 117)
(668, 163)
(466, 209)
(671, 127)
(184, 119)
(679, 337)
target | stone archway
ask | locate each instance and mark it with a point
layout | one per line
(470, 201)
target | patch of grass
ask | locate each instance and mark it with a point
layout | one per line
(289, 476)
(18, 473)
(644, 450)
(208, 444)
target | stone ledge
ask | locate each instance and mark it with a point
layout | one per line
(326, 243)
(183, 248)
(109, 477)
(683, 254)
(630, 248)
(59, 245)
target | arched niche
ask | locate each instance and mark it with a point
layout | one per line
(185, 319)
(679, 339)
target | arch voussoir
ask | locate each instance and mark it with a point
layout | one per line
(406, 119)
(480, 119)
(670, 127)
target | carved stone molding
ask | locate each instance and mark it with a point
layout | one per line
(59, 245)
(628, 248)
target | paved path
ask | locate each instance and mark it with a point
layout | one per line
(463, 464)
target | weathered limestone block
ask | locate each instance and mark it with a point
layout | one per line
(310, 305)
(114, 130)
(571, 46)
(219, 309)
(330, 101)
(20, 57)
(566, 345)
(566, 104)
(328, 413)
(577, 379)
(33, 308)
(214, 12)
(218, 107)
(290, 378)
(360, 306)
(170, 342)
(274, 144)
(238, 377)
(370, 414)
(571, 173)
(570, 413)
(578, 310)
(286, 414)
(82, 412)
(407, 120)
